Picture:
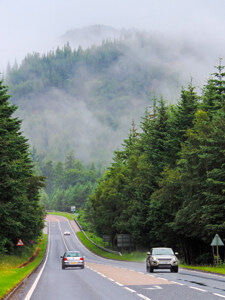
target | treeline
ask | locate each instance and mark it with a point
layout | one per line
(67, 184)
(20, 213)
(166, 186)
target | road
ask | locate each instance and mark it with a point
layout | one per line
(104, 279)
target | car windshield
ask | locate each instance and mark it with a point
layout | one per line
(73, 254)
(162, 251)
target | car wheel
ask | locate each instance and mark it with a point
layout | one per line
(63, 267)
(151, 269)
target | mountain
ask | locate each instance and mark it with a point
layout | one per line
(85, 98)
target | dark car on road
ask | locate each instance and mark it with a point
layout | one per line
(72, 259)
(161, 258)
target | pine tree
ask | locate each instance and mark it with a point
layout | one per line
(20, 214)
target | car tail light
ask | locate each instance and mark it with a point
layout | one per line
(81, 258)
(65, 259)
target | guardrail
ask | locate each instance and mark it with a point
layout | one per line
(100, 247)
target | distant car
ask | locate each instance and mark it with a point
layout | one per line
(161, 258)
(66, 233)
(72, 259)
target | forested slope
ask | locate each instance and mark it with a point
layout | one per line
(85, 100)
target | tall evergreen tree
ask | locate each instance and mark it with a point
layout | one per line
(20, 213)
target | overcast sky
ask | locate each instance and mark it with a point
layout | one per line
(28, 26)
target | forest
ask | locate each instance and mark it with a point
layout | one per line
(166, 186)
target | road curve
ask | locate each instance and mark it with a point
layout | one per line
(108, 279)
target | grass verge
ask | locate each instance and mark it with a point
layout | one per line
(219, 270)
(133, 256)
(10, 272)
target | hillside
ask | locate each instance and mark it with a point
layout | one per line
(86, 100)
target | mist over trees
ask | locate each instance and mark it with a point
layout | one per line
(85, 100)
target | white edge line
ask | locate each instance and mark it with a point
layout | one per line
(29, 294)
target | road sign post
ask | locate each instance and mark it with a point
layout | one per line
(20, 243)
(217, 242)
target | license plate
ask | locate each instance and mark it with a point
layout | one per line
(73, 263)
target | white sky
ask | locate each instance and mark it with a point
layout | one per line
(28, 26)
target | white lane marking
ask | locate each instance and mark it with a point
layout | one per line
(118, 283)
(219, 295)
(130, 290)
(62, 235)
(177, 283)
(30, 292)
(144, 297)
(111, 279)
(198, 289)
(155, 287)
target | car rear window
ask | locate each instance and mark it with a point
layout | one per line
(73, 254)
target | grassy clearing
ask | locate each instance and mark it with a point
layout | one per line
(10, 274)
(70, 216)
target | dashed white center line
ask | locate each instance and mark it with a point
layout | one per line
(118, 283)
(198, 289)
(219, 295)
(130, 290)
(177, 283)
(143, 297)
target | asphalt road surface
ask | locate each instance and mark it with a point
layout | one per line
(104, 279)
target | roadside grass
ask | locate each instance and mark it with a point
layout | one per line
(133, 256)
(11, 274)
(70, 216)
(219, 270)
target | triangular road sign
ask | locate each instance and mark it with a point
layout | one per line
(217, 241)
(20, 243)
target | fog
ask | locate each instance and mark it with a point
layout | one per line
(191, 37)
(37, 26)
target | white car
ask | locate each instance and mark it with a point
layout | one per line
(66, 233)
(162, 258)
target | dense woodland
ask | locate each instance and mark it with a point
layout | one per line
(166, 186)
(67, 184)
(20, 212)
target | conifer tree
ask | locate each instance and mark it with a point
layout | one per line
(20, 214)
